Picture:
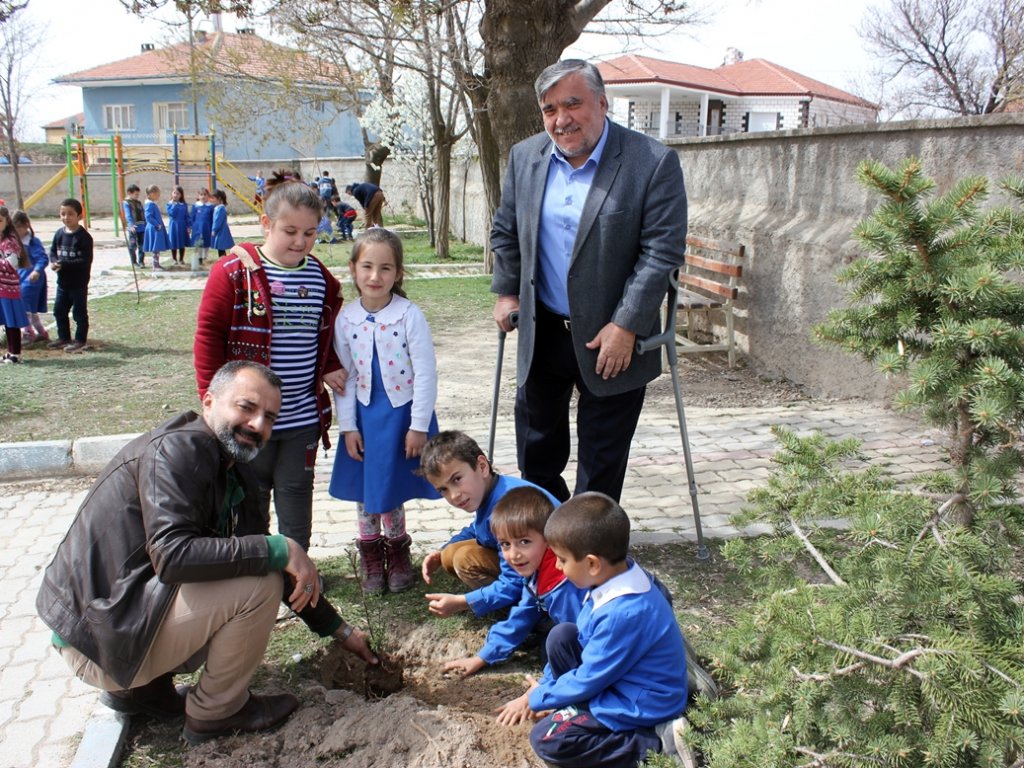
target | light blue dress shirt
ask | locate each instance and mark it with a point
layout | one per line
(565, 192)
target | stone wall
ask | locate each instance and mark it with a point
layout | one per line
(793, 199)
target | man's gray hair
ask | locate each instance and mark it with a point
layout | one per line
(552, 75)
(227, 372)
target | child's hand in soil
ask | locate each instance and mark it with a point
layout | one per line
(516, 711)
(466, 667)
(445, 605)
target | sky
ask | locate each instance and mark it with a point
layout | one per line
(816, 38)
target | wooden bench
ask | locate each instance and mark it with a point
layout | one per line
(709, 281)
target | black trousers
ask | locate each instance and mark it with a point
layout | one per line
(572, 737)
(604, 425)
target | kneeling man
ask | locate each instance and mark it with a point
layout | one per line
(168, 565)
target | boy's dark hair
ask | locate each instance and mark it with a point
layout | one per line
(590, 524)
(73, 204)
(132, 188)
(448, 446)
(520, 510)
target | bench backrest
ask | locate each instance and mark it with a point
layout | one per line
(712, 267)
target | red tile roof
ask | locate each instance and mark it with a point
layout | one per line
(231, 55)
(77, 119)
(757, 77)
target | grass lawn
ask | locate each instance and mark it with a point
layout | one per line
(140, 373)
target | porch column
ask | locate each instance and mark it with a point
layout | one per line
(663, 121)
(702, 128)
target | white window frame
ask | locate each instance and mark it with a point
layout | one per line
(162, 112)
(119, 117)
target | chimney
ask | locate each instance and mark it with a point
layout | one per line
(732, 56)
(147, 47)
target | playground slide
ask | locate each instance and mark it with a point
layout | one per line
(53, 181)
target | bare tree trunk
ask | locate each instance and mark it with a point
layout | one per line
(442, 197)
(521, 38)
(12, 150)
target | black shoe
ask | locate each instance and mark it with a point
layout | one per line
(158, 698)
(260, 713)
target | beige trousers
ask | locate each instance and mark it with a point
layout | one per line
(225, 624)
(473, 565)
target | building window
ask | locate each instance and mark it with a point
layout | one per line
(119, 117)
(171, 116)
(763, 121)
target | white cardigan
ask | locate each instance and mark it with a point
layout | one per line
(405, 352)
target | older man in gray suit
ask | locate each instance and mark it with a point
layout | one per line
(592, 221)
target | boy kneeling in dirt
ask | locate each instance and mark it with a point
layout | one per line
(547, 598)
(453, 463)
(620, 670)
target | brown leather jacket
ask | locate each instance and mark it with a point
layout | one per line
(149, 523)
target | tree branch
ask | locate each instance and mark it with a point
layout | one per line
(836, 579)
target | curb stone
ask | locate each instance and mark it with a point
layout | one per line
(103, 740)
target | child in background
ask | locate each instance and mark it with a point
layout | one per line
(156, 235)
(71, 259)
(459, 470)
(548, 598)
(386, 412)
(33, 280)
(346, 216)
(177, 225)
(220, 234)
(276, 305)
(202, 227)
(620, 670)
(134, 224)
(12, 310)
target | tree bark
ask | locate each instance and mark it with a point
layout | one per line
(521, 38)
(442, 197)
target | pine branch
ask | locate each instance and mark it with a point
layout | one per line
(836, 579)
(901, 662)
(820, 760)
(822, 677)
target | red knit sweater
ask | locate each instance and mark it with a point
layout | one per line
(235, 323)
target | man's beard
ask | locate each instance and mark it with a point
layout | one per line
(242, 454)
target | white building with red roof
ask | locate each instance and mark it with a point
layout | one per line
(667, 98)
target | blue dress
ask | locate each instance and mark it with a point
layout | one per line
(156, 235)
(222, 239)
(202, 225)
(384, 478)
(177, 224)
(33, 295)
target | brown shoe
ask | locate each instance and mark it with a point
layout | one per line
(75, 346)
(58, 344)
(158, 698)
(260, 713)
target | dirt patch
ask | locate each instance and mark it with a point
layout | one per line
(436, 720)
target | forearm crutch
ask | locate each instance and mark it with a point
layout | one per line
(667, 339)
(513, 319)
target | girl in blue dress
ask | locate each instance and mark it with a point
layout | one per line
(33, 280)
(177, 225)
(220, 233)
(155, 239)
(386, 413)
(202, 227)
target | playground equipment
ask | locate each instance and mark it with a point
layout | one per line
(187, 157)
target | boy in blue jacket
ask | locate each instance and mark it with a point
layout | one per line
(547, 598)
(453, 463)
(620, 670)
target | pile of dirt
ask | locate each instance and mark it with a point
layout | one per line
(435, 721)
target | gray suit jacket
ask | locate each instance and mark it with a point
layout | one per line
(632, 234)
